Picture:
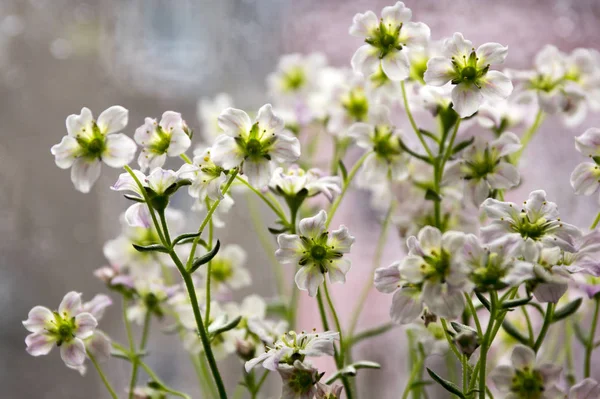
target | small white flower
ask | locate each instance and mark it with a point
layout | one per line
(317, 252)
(435, 272)
(468, 70)
(254, 145)
(585, 179)
(90, 142)
(388, 40)
(292, 181)
(586, 389)
(206, 177)
(388, 161)
(159, 140)
(296, 77)
(227, 269)
(150, 294)
(537, 220)
(67, 328)
(502, 115)
(298, 380)
(209, 110)
(484, 168)
(526, 378)
(293, 346)
(349, 104)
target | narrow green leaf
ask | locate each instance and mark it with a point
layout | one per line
(581, 336)
(226, 327)
(350, 370)
(343, 171)
(484, 301)
(513, 332)
(133, 198)
(204, 259)
(516, 303)
(596, 159)
(273, 230)
(447, 385)
(462, 145)
(151, 248)
(567, 310)
(187, 236)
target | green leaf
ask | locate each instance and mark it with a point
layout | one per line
(226, 327)
(447, 385)
(458, 327)
(133, 198)
(429, 134)
(484, 301)
(350, 370)
(189, 237)
(343, 171)
(151, 248)
(432, 195)
(204, 259)
(581, 336)
(516, 303)
(273, 230)
(513, 332)
(462, 145)
(414, 154)
(567, 310)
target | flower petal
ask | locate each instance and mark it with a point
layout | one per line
(364, 25)
(234, 122)
(180, 142)
(309, 278)
(120, 150)
(502, 376)
(466, 99)
(258, 172)
(85, 173)
(113, 119)
(39, 344)
(65, 152)
(495, 86)
(226, 153)
(85, 324)
(313, 227)
(522, 357)
(73, 352)
(337, 269)
(387, 279)
(439, 71)
(267, 119)
(491, 53)
(406, 305)
(365, 60)
(71, 304)
(396, 65)
(38, 319)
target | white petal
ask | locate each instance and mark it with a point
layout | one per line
(491, 53)
(439, 71)
(522, 357)
(340, 240)
(396, 14)
(365, 60)
(99, 345)
(138, 215)
(586, 389)
(502, 376)
(506, 144)
(364, 25)
(589, 142)
(584, 178)
(151, 160)
(443, 300)
(113, 119)
(309, 279)
(406, 306)
(97, 305)
(504, 176)
(120, 150)
(171, 120)
(415, 34)
(39, 344)
(337, 270)
(453, 242)
(38, 319)
(73, 352)
(466, 99)
(430, 238)
(127, 183)
(410, 269)
(457, 46)
(180, 142)
(258, 172)
(387, 279)
(267, 119)
(361, 133)
(550, 292)
(65, 152)
(313, 227)
(85, 325)
(496, 86)
(290, 248)
(85, 173)
(478, 190)
(76, 123)
(234, 122)
(396, 65)
(226, 153)
(71, 304)
(286, 148)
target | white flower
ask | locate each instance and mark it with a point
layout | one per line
(501, 115)
(526, 378)
(436, 273)
(227, 268)
(298, 380)
(90, 142)
(484, 168)
(468, 70)
(536, 220)
(67, 328)
(317, 252)
(206, 177)
(387, 41)
(292, 181)
(586, 389)
(209, 110)
(150, 294)
(349, 104)
(585, 179)
(296, 77)
(254, 145)
(169, 137)
(224, 207)
(388, 161)
(292, 346)
(329, 391)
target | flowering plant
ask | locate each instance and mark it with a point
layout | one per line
(477, 272)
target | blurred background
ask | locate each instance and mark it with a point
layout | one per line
(155, 55)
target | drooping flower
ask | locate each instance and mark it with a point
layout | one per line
(90, 142)
(291, 347)
(317, 252)
(484, 168)
(585, 179)
(586, 389)
(170, 137)
(536, 221)
(388, 40)
(388, 161)
(291, 182)
(206, 177)
(298, 380)
(67, 328)
(254, 145)
(469, 71)
(526, 378)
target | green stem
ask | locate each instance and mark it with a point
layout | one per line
(135, 361)
(413, 123)
(465, 374)
(529, 325)
(131, 342)
(370, 333)
(570, 365)
(593, 226)
(474, 314)
(545, 326)
(109, 388)
(438, 172)
(413, 375)
(155, 378)
(335, 319)
(485, 345)
(590, 344)
(376, 261)
(263, 378)
(338, 200)
(528, 135)
(274, 208)
(208, 268)
(185, 158)
(449, 339)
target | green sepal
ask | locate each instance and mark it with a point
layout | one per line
(515, 303)
(567, 310)
(596, 159)
(204, 259)
(343, 171)
(151, 248)
(133, 198)
(447, 385)
(432, 195)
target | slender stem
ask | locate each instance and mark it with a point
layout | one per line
(570, 374)
(135, 360)
(413, 123)
(370, 333)
(155, 378)
(485, 345)
(545, 326)
(185, 158)
(593, 226)
(474, 314)
(109, 388)
(338, 200)
(335, 319)
(165, 228)
(528, 135)
(448, 150)
(529, 325)
(209, 268)
(438, 171)
(590, 344)
(131, 342)
(274, 208)
(465, 374)
(449, 339)
(376, 261)
(414, 372)
(263, 378)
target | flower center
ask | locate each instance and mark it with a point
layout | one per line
(468, 73)
(253, 148)
(221, 270)
(301, 381)
(437, 266)
(294, 79)
(528, 384)
(384, 146)
(527, 229)
(318, 252)
(356, 105)
(386, 38)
